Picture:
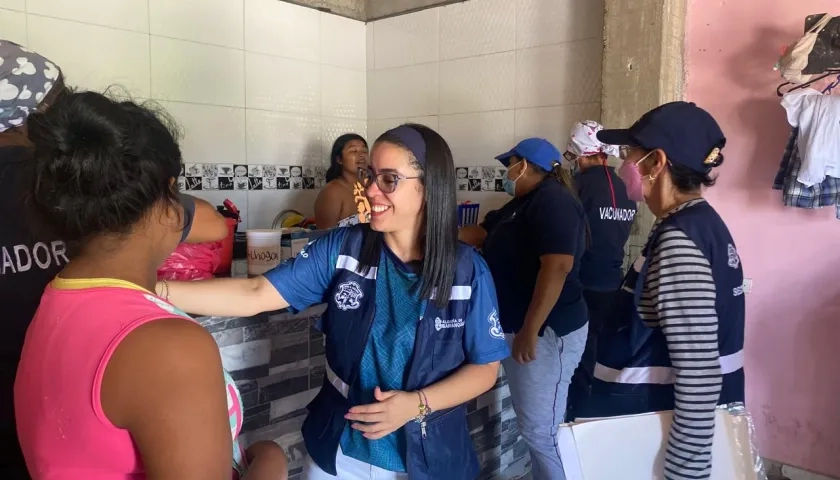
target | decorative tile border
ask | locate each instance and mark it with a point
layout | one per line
(229, 176)
(480, 179)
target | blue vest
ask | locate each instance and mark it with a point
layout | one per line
(445, 451)
(633, 372)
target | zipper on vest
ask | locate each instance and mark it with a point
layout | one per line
(362, 354)
(422, 423)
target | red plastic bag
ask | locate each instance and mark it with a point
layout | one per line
(191, 262)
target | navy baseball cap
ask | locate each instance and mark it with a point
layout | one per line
(688, 135)
(538, 151)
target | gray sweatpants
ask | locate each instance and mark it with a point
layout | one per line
(538, 390)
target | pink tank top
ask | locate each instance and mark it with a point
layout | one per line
(62, 428)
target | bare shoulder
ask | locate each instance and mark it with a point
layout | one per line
(160, 356)
(165, 385)
(335, 190)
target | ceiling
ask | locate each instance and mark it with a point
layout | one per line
(370, 10)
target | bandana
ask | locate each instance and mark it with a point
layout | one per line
(584, 141)
(25, 79)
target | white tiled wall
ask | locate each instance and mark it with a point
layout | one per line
(250, 81)
(268, 82)
(487, 73)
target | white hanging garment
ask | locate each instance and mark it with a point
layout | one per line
(796, 58)
(818, 119)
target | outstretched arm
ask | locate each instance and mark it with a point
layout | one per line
(234, 297)
(298, 283)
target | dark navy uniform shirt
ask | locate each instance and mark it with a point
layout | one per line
(548, 220)
(610, 214)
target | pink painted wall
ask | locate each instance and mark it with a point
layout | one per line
(793, 256)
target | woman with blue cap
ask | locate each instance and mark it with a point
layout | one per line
(676, 337)
(411, 326)
(534, 246)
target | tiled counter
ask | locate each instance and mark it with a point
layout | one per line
(277, 360)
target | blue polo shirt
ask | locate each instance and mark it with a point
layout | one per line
(610, 214)
(305, 281)
(547, 220)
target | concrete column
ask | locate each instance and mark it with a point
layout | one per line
(354, 9)
(643, 68)
(377, 9)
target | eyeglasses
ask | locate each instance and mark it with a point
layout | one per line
(624, 152)
(386, 181)
(569, 156)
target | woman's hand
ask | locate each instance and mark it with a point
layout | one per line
(525, 346)
(393, 409)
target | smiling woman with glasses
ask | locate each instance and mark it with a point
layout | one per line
(411, 327)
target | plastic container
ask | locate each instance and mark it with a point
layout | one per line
(467, 214)
(263, 250)
(226, 253)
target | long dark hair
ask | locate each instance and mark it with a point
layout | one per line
(99, 165)
(440, 218)
(338, 147)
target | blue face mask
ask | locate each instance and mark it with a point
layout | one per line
(510, 185)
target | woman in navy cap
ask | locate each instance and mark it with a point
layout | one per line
(678, 333)
(533, 246)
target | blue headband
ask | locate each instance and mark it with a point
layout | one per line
(412, 139)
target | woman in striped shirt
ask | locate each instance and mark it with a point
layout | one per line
(677, 333)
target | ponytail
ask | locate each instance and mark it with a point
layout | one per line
(564, 176)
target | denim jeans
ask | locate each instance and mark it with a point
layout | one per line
(538, 390)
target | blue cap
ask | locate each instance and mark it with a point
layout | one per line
(688, 135)
(538, 151)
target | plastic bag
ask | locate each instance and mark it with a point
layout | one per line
(191, 262)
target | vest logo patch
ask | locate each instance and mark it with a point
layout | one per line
(734, 260)
(454, 323)
(495, 326)
(738, 291)
(348, 295)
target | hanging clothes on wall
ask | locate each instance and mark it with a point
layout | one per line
(797, 194)
(817, 118)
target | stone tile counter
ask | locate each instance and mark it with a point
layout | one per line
(277, 360)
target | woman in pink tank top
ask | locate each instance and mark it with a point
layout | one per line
(114, 382)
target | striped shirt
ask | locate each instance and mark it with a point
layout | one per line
(679, 298)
